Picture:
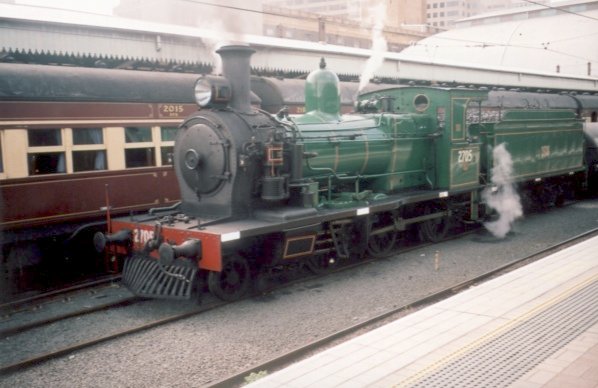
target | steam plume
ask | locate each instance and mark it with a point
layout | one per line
(225, 25)
(379, 45)
(504, 199)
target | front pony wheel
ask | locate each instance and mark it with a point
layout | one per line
(233, 281)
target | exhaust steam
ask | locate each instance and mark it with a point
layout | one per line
(379, 45)
(503, 196)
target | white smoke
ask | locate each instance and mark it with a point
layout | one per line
(214, 46)
(214, 39)
(379, 45)
(504, 198)
(225, 25)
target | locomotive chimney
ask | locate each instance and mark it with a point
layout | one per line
(236, 68)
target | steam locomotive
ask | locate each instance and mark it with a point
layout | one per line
(262, 192)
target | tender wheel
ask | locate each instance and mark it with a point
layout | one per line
(559, 196)
(232, 282)
(433, 230)
(381, 244)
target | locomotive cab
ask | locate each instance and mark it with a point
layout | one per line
(443, 111)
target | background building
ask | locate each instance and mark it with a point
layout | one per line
(333, 8)
(443, 14)
(399, 13)
(347, 23)
(234, 16)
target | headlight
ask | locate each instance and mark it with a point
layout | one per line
(203, 92)
(212, 90)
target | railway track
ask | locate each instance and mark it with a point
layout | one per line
(406, 279)
(23, 329)
(18, 302)
(186, 311)
(38, 302)
(295, 355)
(13, 315)
(40, 358)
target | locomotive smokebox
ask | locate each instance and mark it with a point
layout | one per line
(236, 68)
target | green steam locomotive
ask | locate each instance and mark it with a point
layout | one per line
(265, 192)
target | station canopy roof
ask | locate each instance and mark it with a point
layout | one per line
(565, 43)
(483, 55)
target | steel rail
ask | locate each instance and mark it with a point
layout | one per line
(73, 314)
(39, 359)
(298, 352)
(58, 292)
(173, 318)
(98, 340)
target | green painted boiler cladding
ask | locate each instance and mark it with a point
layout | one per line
(391, 149)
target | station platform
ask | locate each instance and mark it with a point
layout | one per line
(534, 327)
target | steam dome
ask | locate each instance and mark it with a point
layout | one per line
(322, 92)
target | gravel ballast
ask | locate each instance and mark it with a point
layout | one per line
(211, 346)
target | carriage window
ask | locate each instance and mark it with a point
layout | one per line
(44, 137)
(1, 162)
(46, 163)
(83, 136)
(51, 158)
(89, 160)
(84, 157)
(138, 134)
(168, 134)
(139, 157)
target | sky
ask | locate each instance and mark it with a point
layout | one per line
(94, 6)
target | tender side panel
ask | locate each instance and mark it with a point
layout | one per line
(541, 143)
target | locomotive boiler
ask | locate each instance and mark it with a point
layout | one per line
(261, 192)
